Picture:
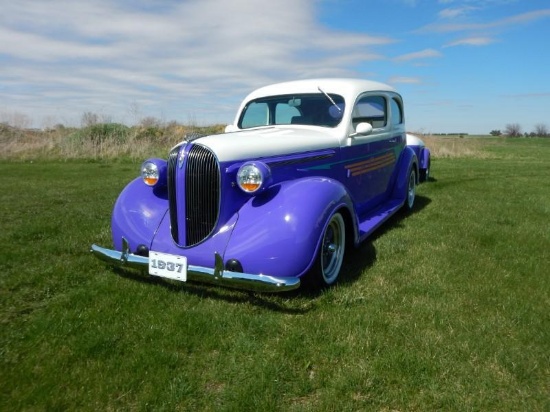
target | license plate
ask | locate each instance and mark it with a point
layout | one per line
(168, 266)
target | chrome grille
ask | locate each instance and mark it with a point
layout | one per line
(201, 175)
(202, 194)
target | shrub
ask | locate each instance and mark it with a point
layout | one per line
(541, 130)
(513, 130)
(103, 132)
(149, 132)
(89, 119)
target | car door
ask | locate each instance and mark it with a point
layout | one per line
(370, 159)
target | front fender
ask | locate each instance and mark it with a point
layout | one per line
(277, 233)
(407, 160)
(137, 214)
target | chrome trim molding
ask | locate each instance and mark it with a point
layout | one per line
(217, 275)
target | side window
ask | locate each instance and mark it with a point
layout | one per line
(371, 109)
(396, 112)
(256, 114)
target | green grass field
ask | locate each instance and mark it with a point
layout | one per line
(444, 309)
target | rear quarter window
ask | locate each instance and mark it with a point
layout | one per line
(396, 112)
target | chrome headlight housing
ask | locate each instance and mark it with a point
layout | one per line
(254, 177)
(153, 172)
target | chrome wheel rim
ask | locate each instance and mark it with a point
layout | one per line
(428, 171)
(332, 249)
(411, 191)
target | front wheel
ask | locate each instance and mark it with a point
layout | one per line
(330, 256)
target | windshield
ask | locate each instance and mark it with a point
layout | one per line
(306, 109)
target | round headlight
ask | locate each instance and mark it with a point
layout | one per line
(150, 173)
(154, 172)
(252, 177)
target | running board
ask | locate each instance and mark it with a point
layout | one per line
(378, 216)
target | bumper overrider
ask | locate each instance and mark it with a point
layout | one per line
(217, 275)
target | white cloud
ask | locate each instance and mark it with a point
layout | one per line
(423, 54)
(453, 13)
(480, 3)
(523, 18)
(404, 80)
(97, 54)
(471, 41)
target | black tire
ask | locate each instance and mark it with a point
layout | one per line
(410, 194)
(425, 173)
(328, 262)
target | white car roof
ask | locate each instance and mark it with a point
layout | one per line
(347, 88)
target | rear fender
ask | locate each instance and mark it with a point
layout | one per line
(407, 160)
(424, 158)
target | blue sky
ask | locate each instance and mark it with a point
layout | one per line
(461, 65)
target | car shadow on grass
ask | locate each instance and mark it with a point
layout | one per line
(359, 259)
(270, 301)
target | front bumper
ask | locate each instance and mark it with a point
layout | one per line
(217, 275)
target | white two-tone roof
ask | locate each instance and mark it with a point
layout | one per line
(348, 88)
(341, 86)
(287, 139)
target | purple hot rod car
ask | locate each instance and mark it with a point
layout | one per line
(306, 169)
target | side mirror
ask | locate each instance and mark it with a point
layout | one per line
(231, 128)
(362, 129)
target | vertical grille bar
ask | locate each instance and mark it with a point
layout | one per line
(172, 201)
(202, 183)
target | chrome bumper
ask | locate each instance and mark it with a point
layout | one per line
(216, 275)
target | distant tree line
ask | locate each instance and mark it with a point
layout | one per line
(450, 134)
(514, 130)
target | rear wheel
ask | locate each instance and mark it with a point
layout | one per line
(330, 256)
(411, 190)
(425, 173)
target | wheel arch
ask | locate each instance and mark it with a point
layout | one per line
(407, 160)
(352, 237)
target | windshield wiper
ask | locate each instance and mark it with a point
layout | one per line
(330, 99)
